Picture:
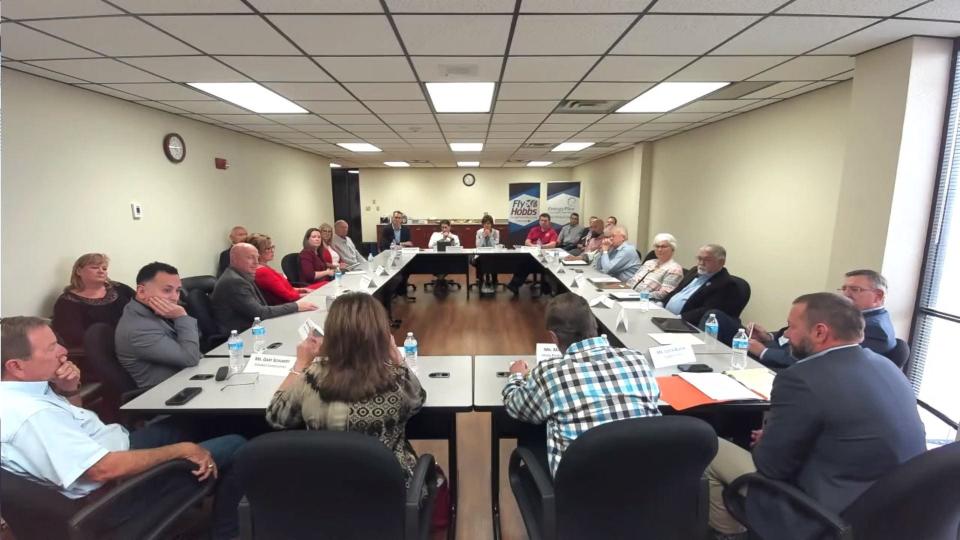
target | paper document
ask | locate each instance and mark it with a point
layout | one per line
(546, 351)
(760, 380)
(625, 295)
(604, 279)
(575, 262)
(719, 387)
(356, 272)
(309, 326)
(270, 364)
(676, 339)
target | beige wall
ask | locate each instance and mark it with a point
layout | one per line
(74, 161)
(615, 187)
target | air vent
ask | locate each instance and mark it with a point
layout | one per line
(539, 145)
(588, 106)
(417, 161)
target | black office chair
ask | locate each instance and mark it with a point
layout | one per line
(650, 255)
(290, 264)
(117, 387)
(743, 294)
(36, 511)
(199, 307)
(634, 478)
(331, 485)
(899, 354)
(203, 283)
(918, 499)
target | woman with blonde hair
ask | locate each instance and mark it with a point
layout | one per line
(90, 298)
(275, 286)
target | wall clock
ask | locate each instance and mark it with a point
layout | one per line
(174, 147)
(469, 179)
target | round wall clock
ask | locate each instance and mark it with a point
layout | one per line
(174, 147)
(469, 179)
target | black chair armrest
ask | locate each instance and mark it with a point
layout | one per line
(736, 503)
(118, 494)
(544, 484)
(424, 477)
(245, 516)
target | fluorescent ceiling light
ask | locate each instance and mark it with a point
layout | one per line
(539, 163)
(358, 147)
(396, 163)
(251, 96)
(466, 146)
(571, 146)
(669, 95)
(335, 165)
(468, 164)
(353, 171)
(461, 97)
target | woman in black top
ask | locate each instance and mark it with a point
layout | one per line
(90, 298)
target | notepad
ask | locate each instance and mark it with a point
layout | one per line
(575, 262)
(676, 339)
(760, 380)
(604, 279)
(719, 386)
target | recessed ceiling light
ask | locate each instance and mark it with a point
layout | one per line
(251, 96)
(335, 165)
(539, 163)
(571, 146)
(669, 95)
(396, 163)
(468, 164)
(466, 146)
(353, 171)
(359, 147)
(461, 97)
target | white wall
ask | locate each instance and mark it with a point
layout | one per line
(616, 190)
(74, 160)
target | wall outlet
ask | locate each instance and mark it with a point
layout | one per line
(136, 210)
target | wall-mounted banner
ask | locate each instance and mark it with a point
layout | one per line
(524, 211)
(563, 199)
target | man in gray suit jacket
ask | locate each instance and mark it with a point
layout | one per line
(840, 419)
(155, 337)
(237, 300)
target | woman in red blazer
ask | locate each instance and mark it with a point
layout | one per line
(275, 286)
(313, 267)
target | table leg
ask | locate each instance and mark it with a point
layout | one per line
(495, 474)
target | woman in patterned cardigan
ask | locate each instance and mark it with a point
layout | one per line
(354, 379)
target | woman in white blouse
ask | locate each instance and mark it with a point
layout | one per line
(661, 275)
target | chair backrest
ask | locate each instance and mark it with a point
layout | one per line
(743, 295)
(203, 283)
(918, 499)
(650, 255)
(323, 485)
(33, 510)
(99, 344)
(200, 308)
(637, 477)
(899, 354)
(290, 264)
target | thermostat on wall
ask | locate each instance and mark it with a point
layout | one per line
(136, 210)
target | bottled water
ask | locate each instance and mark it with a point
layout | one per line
(712, 327)
(410, 351)
(338, 277)
(738, 358)
(370, 258)
(644, 300)
(259, 336)
(235, 346)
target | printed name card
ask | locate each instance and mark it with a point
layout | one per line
(454, 249)
(485, 249)
(409, 250)
(672, 355)
(309, 326)
(270, 364)
(546, 351)
(380, 271)
(622, 322)
(601, 301)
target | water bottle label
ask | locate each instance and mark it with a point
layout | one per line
(410, 349)
(259, 331)
(741, 344)
(238, 346)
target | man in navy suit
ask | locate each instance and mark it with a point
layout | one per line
(708, 286)
(840, 418)
(396, 234)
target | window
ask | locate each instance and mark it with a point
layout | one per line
(935, 366)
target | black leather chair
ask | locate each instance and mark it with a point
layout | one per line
(743, 290)
(918, 499)
(899, 354)
(637, 478)
(36, 511)
(650, 255)
(203, 283)
(117, 387)
(290, 264)
(199, 307)
(331, 485)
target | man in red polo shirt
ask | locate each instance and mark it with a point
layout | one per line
(543, 236)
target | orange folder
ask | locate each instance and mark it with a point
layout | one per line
(680, 394)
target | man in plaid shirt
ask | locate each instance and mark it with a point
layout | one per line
(592, 384)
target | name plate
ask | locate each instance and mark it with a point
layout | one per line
(270, 364)
(454, 249)
(672, 355)
(409, 250)
(485, 249)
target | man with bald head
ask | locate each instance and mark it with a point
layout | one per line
(237, 234)
(237, 300)
(343, 244)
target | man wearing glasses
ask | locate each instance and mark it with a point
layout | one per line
(709, 287)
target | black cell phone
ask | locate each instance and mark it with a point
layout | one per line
(184, 395)
(222, 373)
(274, 345)
(695, 368)
(201, 377)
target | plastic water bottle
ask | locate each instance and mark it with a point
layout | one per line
(259, 336)
(712, 326)
(410, 351)
(235, 346)
(738, 358)
(370, 258)
(338, 277)
(644, 299)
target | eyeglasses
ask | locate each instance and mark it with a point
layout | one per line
(271, 248)
(854, 289)
(229, 385)
(661, 246)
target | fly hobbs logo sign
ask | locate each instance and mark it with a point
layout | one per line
(524, 209)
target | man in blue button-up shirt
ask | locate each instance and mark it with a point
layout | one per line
(617, 257)
(710, 260)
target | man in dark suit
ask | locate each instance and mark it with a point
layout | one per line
(707, 287)
(396, 234)
(867, 289)
(237, 300)
(840, 418)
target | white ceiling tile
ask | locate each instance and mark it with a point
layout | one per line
(440, 6)
(401, 119)
(573, 118)
(182, 6)
(161, 91)
(110, 91)
(581, 34)
(465, 118)
(791, 35)
(637, 68)
(506, 106)
(887, 32)
(208, 106)
(114, 36)
(504, 124)
(367, 128)
(226, 34)
(628, 118)
(354, 119)
(547, 68)
(560, 128)
(717, 6)
(727, 68)
(458, 68)
(681, 118)
(30, 9)
(386, 91)
(161, 106)
(101, 70)
(775, 89)
(317, 6)
(340, 34)
(805, 89)
(188, 68)
(807, 68)
(302, 121)
(680, 34)
(938, 9)
(606, 90)
(27, 68)
(20, 42)
(311, 91)
(277, 68)
(454, 35)
(334, 107)
(715, 105)
(241, 119)
(873, 8)
(539, 91)
(398, 107)
(363, 68)
(575, 6)
(519, 118)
